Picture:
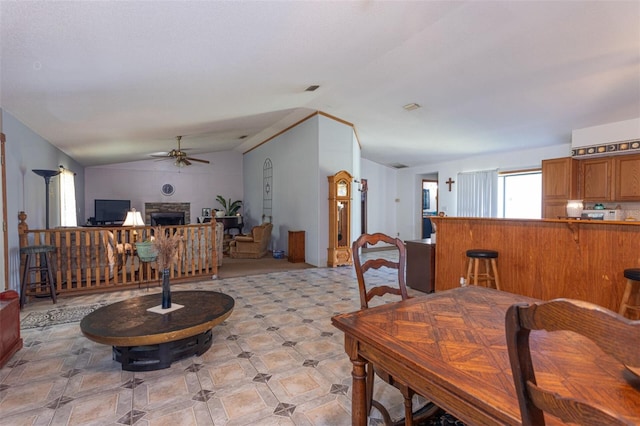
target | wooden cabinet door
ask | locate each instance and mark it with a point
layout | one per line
(554, 209)
(559, 184)
(627, 178)
(595, 182)
(559, 179)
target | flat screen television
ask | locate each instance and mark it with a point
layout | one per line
(111, 211)
(167, 218)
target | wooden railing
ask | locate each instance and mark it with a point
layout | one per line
(90, 259)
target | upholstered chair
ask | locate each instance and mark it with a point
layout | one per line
(252, 246)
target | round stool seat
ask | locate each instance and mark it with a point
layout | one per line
(482, 254)
(37, 249)
(632, 274)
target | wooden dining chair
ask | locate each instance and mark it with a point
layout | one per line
(397, 288)
(615, 335)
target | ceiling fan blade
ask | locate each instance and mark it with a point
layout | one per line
(198, 160)
(165, 156)
(185, 161)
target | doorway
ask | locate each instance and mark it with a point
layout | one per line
(429, 205)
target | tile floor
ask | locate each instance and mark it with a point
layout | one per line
(277, 360)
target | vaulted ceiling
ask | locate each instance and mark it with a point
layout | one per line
(117, 81)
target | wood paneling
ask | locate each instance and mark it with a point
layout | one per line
(544, 259)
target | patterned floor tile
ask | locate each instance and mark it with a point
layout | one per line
(277, 360)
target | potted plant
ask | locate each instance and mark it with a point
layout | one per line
(230, 208)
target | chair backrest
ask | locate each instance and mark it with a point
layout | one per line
(369, 292)
(261, 232)
(617, 336)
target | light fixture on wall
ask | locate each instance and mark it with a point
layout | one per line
(47, 175)
(133, 219)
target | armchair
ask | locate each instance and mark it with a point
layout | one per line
(252, 246)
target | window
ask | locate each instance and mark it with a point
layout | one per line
(520, 194)
(68, 215)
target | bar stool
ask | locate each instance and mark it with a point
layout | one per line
(490, 274)
(631, 293)
(42, 269)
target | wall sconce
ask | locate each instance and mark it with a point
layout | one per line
(133, 219)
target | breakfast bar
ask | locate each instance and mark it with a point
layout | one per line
(544, 259)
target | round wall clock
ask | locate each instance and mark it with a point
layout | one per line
(167, 189)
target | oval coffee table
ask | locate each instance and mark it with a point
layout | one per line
(144, 341)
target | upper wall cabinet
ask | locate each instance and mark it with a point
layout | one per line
(626, 178)
(610, 178)
(595, 179)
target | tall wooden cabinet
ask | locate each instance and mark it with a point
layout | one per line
(559, 184)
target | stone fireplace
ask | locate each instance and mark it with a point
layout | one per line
(167, 207)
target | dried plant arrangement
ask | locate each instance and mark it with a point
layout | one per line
(166, 246)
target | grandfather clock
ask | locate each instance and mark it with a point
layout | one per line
(339, 251)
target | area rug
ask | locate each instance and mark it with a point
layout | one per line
(57, 316)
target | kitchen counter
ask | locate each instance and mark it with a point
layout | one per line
(544, 259)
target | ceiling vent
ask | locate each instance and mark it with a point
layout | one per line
(312, 88)
(398, 166)
(411, 107)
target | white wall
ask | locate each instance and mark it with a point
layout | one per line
(141, 181)
(25, 151)
(294, 156)
(302, 158)
(381, 197)
(410, 181)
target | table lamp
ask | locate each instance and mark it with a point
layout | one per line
(133, 219)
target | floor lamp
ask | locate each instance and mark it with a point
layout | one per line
(47, 175)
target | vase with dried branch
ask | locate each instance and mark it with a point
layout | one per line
(166, 245)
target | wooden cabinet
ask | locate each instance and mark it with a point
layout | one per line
(10, 340)
(296, 247)
(421, 265)
(559, 184)
(595, 179)
(626, 182)
(602, 179)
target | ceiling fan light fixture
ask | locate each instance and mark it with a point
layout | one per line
(179, 163)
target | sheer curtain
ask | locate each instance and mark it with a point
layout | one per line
(68, 215)
(478, 194)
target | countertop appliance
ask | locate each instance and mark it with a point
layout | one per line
(600, 214)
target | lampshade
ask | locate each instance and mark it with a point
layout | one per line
(134, 218)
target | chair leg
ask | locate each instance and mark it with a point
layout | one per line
(476, 269)
(52, 284)
(496, 278)
(625, 298)
(23, 286)
(369, 387)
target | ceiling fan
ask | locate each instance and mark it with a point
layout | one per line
(181, 157)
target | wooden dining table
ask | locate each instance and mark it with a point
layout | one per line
(450, 347)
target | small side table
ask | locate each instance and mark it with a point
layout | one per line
(296, 247)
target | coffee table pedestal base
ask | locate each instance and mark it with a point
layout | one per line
(157, 357)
